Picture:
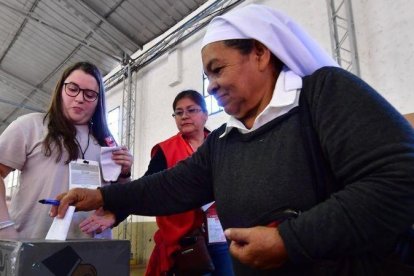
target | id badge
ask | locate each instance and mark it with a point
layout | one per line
(214, 228)
(84, 174)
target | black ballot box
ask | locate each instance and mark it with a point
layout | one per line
(86, 257)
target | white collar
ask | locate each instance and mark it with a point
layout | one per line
(285, 97)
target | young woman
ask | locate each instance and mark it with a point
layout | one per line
(44, 146)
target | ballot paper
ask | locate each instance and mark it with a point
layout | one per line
(60, 226)
(110, 170)
(214, 228)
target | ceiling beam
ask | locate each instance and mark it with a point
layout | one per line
(91, 26)
(16, 79)
(104, 20)
(83, 42)
(21, 105)
(34, 5)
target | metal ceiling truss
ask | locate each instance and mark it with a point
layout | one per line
(128, 136)
(343, 38)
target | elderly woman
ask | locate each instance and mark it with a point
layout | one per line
(313, 172)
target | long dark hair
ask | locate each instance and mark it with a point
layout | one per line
(61, 132)
(192, 95)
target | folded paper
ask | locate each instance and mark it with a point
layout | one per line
(110, 170)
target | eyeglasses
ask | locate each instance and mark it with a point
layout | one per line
(190, 112)
(73, 90)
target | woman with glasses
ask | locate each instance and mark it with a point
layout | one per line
(47, 147)
(190, 114)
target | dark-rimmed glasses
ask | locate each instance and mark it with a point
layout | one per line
(73, 90)
(191, 112)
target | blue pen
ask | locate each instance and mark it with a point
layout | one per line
(53, 202)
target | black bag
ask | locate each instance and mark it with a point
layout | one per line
(193, 257)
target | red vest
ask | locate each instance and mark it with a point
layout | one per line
(172, 228)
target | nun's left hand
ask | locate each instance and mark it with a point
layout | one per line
(259, 247)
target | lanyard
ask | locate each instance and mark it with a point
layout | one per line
(87, 145)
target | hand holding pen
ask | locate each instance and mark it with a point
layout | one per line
(83, 199)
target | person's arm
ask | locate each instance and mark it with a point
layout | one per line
(101, 220)
(186, 186)
(370, 150)
(157, 163)
(8, 232)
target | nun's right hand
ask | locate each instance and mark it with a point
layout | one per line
(82, 199)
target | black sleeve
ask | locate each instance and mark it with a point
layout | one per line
(370, 150)
(158, 163)
(186, 186)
